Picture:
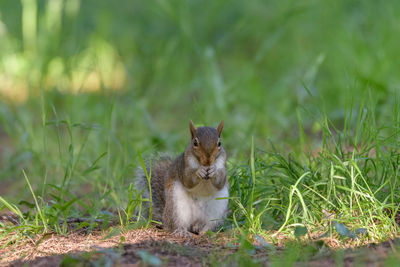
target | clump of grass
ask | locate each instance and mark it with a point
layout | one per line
(68, 161)
(346, 189)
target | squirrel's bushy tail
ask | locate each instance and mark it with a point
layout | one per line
(157, 174)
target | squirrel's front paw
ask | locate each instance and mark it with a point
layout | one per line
(212, 171)
(180, 232)
(202, 172)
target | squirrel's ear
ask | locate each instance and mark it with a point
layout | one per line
(220, 127)
(192, 129)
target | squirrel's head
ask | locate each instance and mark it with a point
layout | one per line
(206, 143)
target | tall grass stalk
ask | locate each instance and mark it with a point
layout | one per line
(148, 177)
(39, 210)
(293, 190)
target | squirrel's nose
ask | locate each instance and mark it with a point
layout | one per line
(207, 162)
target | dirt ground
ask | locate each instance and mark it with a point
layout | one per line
(126, 249)
(157, 247)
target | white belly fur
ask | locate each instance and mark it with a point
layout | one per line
(200, 204)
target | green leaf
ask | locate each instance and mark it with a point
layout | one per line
(300, 231)
(265, 244)
(343, 230)
(149, 258)
(115, 231)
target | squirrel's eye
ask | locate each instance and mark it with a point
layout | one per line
(219, 143)
(195, 142)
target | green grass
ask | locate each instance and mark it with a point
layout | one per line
(353, 178)
(309, 92)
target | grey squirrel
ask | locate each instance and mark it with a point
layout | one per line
(185, 191)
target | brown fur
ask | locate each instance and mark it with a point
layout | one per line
(207, 149)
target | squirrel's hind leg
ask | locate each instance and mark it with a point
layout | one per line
(198, 227)
(178, 207)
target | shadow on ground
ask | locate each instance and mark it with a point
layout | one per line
(173, 253)
(150, 252)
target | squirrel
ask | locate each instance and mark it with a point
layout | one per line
(186, 192)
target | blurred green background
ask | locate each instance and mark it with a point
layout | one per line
(84, 85)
